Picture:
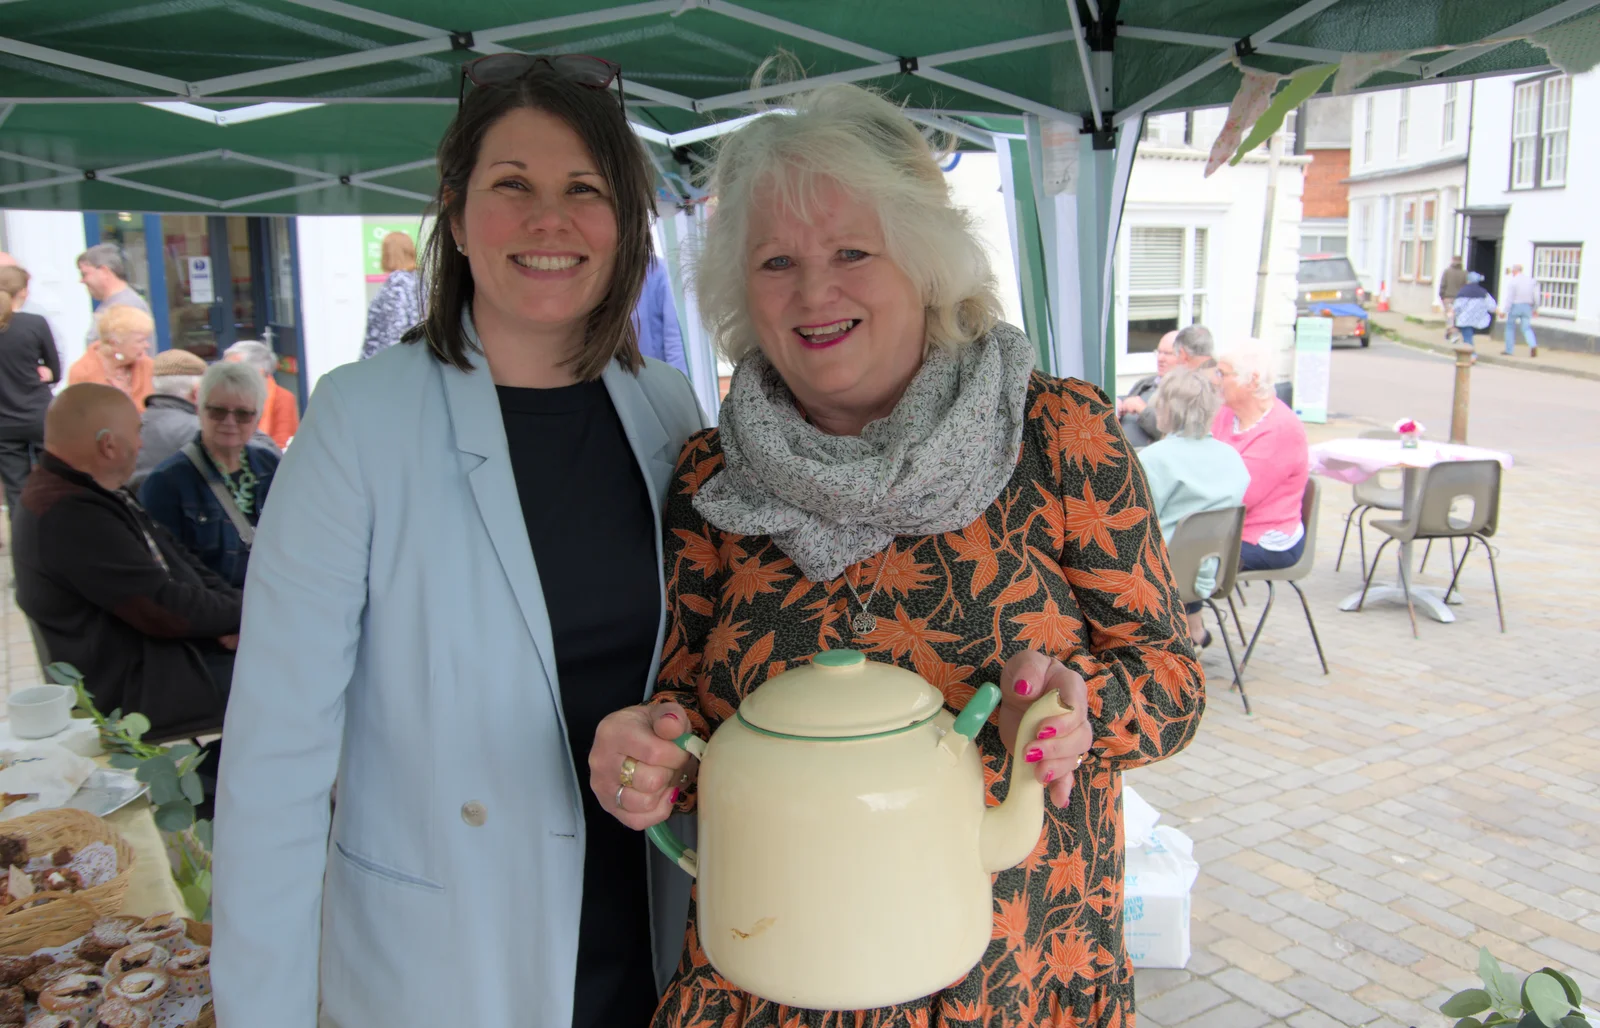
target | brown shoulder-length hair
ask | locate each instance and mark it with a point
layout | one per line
(598, 120)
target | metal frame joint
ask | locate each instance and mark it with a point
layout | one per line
(908, 65)
(90, 174)
(1243, 48)
(461, 41)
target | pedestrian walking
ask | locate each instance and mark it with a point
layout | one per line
(1450, 284)
(103, 270)
(398, 304)
(1474, 309)
(1521, 299)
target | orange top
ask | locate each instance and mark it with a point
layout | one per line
(280, 418)
(138, 382)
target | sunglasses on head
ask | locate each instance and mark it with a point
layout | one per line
(501, 69)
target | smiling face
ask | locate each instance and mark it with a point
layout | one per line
(229, 420)
(1236, 392)
(538, 229)
(841, 322)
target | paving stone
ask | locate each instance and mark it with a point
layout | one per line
(1186, 1001)
(1235, 1014)
(1331, 972)
(1150, 982)
(1314, 1019)
(1334, 1002)
(1308, 909)
(1385, 944)
(1258, 993)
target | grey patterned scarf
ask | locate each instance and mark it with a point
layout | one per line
(933, 465)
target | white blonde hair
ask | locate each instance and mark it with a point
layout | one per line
(1186, 403)
(1251, 358)
(860, 141)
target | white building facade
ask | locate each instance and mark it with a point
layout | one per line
(1530, 197)
(1408, 176)
(1189, 247)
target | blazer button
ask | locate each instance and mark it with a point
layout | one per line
(474, 814)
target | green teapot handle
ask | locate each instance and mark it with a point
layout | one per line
(662, 836)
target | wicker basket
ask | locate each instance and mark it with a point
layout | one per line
(56, 918)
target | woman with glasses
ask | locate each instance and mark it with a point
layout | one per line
(458, 576)
(210, 493)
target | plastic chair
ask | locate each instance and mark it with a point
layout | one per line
(1369, 494)
(1441, 485)
(1292, 574)
(1210, 533)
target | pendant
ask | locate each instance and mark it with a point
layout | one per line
(864, 623)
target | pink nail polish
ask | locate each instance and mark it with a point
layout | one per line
(671, 715)
(1049, 776)
(1022, 687)
(1047, 732)
(674, 795)
(1034, 755)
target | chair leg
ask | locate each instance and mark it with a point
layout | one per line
(1238, 677)
(1238, 590)
(1456, 568)
(1494, 576)
(1425, 551)
(1367, 582)
(1361, 537)
(1346, 537)
(1311, 625)
(1238, 623)
(1405, 587)
(1250, 649)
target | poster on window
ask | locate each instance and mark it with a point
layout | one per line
(202, 289)
(1313, 357)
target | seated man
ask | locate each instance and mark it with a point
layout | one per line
(1135, 412)
(170, 419)
(150, 627)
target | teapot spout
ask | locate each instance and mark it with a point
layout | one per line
(1011, 830)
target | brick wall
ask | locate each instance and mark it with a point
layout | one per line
(1326, 195)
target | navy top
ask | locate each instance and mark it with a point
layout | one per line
(178, 497)
(593, 535)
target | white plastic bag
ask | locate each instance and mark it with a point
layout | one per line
(1155, 906)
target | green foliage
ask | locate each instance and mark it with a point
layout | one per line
(1547, 998)
(171, 772)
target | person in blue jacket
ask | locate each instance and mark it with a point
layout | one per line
(656, 320)
(210, 493)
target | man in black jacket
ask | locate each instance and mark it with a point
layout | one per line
(150, 627)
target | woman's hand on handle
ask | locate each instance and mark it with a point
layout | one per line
(661, 769)
(1064, 740)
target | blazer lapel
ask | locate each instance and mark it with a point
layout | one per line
(646, 435)
(480, 432)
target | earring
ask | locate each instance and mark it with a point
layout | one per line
(461, 249)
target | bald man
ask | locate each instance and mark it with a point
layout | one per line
(148, 625)
(1134, 411)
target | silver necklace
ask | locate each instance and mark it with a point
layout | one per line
(864, 623)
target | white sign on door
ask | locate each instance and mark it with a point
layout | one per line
(201, 287)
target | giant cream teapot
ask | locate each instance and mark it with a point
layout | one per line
(844, 845)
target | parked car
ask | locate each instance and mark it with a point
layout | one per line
(1327, 282)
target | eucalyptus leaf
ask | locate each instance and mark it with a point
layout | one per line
(62, 673)
(134, 726)
(202, 833)
(1547, 998)
(196, 899)
(154, 768)
(193, 791)
(1468, 1001)
(203, 879)
(1488, 967)
(180, 750)
(124, 761)
(175, 816)
(164, 791)
(1468, 1022)
(1301, 85)
(1574, 994)
(1575, 1021)
(1509, 1002)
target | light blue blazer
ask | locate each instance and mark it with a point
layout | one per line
(396, 640)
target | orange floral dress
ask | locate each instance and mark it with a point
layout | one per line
(1067, 560)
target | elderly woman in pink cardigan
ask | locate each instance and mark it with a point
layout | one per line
(1272, 442)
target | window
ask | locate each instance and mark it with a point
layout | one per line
(1364, 235)
(1541, 112)
(1165, 129)
(1448, 132)
(1366, 130)
(1402, 128)
(1425, 233)
(1555, 268)
(1166, 283)
(1408, 236)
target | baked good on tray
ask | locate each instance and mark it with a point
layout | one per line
(14, 969)
(114, 1013)
(36, 983)
(190, 971)
(139, 988)
(76, 994)
(160, 928)
(12, 1004)
(107, 935)
(44, 1020)
(137, 956)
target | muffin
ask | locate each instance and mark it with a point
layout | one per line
(14, 969)
(137, 956)
(139, 988)
(37, 982)
(43, 1020)
(190, 971)
(160, 928)
(115, 1013)
(75, 994)
(12, 1004)
(108, 935)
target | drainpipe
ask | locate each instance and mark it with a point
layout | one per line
(1274, 154)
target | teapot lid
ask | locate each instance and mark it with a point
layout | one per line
(841, 695)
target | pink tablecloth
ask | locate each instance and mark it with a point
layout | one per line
(1354, 460)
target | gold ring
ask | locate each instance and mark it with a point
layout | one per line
(1079, 763)
(629, 766)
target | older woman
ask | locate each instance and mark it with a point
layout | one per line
(121, 355)
(892, 476)
(280, 414)
(210, 493)
(1189, 471)
(1272, 442)
(398, 304)
(458, 576)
